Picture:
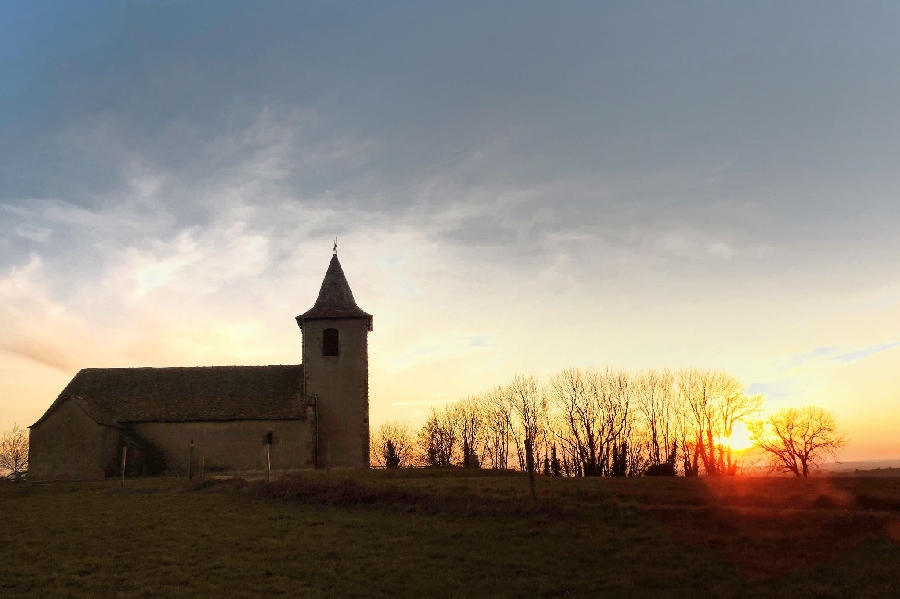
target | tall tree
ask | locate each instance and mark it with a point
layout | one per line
(576, 402)
(528, 404)
(698, 389)
(713, 401)
(734, 406)
(471, 421)
(654, 395)
(498, 427)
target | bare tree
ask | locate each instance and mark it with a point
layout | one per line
(698, 389)
(798, 439)
(498, 428)
(687, 442)
(592, 417)
(14, 450)
(713, 402)
(528, 403)
(638, 451)
(614, 390)
(734, 406)
(471, 424)
(438, 438)
(654, 395)
(393, 445)
(578, 421)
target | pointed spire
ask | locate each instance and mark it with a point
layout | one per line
(335, 297)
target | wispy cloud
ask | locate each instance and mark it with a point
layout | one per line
(442, 348)
(865, 352)
(807, 357)
(826, 355)
(42, 351)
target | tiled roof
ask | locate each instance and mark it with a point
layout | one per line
(335, 298)
(115, 396)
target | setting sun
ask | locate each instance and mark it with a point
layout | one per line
(740, 438)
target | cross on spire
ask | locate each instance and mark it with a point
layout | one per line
(334, 250)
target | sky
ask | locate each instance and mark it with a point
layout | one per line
(516, 187)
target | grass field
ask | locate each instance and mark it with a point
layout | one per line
(453, 534)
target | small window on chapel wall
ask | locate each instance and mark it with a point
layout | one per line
(330, 342)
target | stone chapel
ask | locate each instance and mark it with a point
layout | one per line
(240, 420)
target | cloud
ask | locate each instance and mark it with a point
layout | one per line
(689, 243)
(164, 270)
(36, 234)
(200, 261)
(830, 354)
(865, 352)
(720, 250)
(807, 357)
(34, 325)
(43, 351)
(441, 349)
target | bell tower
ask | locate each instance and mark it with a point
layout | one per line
(336, 371)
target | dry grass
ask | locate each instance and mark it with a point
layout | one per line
(772, 526)
(451, 534)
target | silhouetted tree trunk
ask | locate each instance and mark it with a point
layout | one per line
(528, 402)
(391, 459)
(620, 459)
(529, 464)
(554, 463)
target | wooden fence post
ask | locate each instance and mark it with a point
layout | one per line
(124, 453)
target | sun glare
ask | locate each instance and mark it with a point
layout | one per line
(740, 438)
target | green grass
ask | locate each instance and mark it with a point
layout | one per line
(415, 534)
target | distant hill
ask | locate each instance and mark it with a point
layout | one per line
(863, 468)
(753, 463)
(880, 472)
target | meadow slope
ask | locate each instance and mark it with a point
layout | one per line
(452, 534)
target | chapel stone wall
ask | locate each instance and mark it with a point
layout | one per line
(232, 447)
(340, 385)
(69, 445)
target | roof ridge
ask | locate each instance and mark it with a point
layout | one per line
(186, 393)
(97, 368)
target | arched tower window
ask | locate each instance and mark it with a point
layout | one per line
(330, 342)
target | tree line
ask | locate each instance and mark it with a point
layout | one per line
(605, 422)
(591, 422)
